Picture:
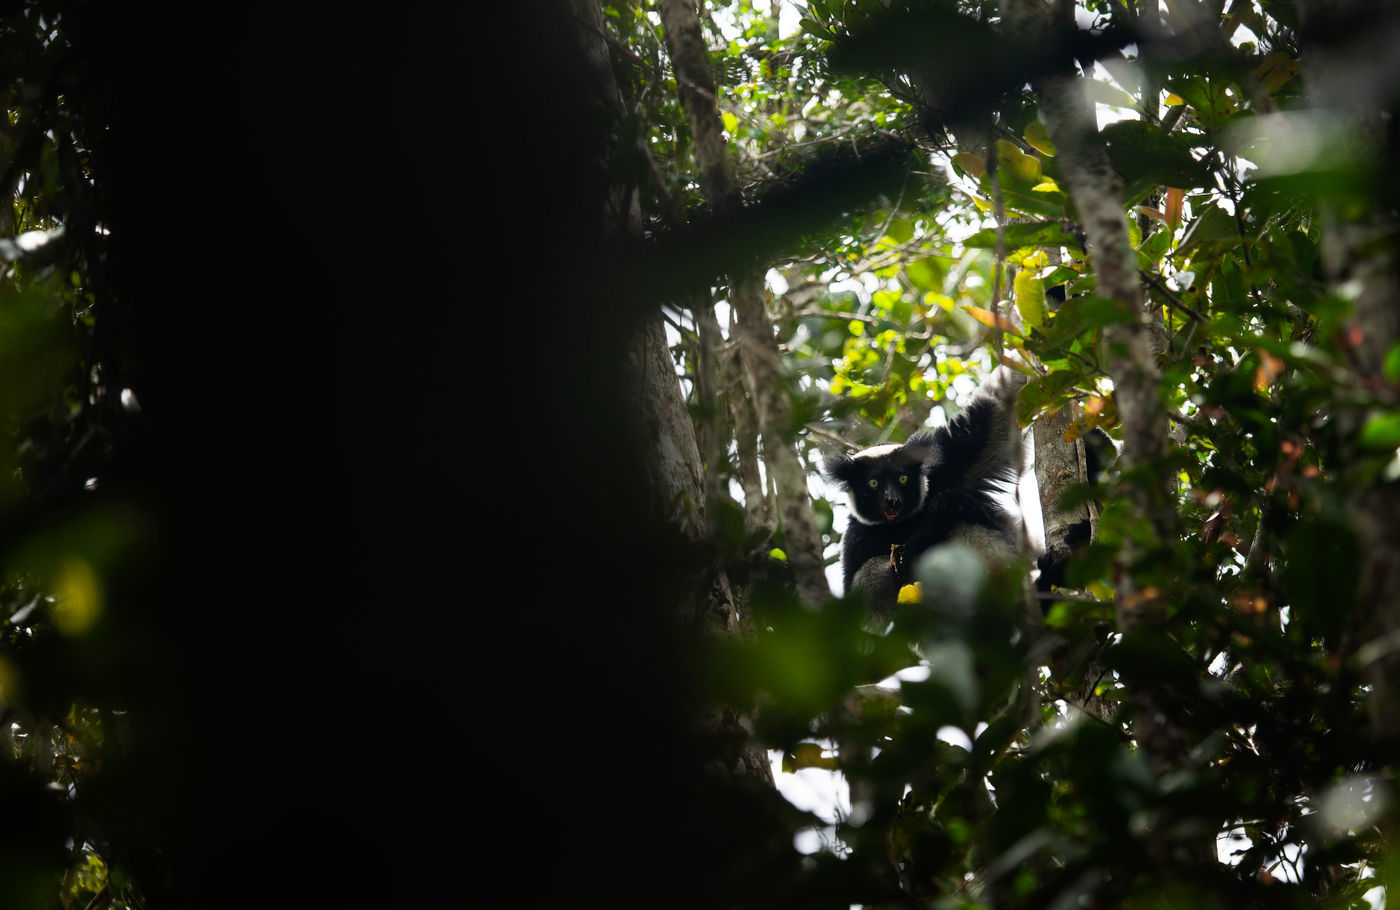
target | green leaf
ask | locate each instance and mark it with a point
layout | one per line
(1079, 315)
(1018, 236)
(1381, 431)
(1207, 97)
(1392, 364)
(925, 274)
(1037, 202)
(1212, 226)
(1149, 157)
(901, 230)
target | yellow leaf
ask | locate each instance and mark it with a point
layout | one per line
(1029, 291)
(942, 301)
(1102, 590)
(77, 597)
(1038, 139)
(1175, 100)
(1276, 70)
(811, 755)
(970, 164)
(1012, 160)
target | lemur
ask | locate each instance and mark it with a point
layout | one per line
(942, 485)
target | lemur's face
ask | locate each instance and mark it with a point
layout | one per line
(884, 484)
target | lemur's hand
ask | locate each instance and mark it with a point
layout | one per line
(897, 559)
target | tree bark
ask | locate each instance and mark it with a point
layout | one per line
(1059, 463)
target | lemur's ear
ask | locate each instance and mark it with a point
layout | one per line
(920, 446)
(839, 468)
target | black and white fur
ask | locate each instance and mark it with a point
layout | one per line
(942, 485)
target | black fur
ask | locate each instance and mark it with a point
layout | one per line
(956, 473)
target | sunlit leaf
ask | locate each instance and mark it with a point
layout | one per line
(1038, 138)
(969, 164)
(809, 755)
(1276, 70)
(987, 317)
(1104, 93)
(1016, 164)
(1029, 291)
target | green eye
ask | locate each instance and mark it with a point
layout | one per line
(903, 479)
(873, 483)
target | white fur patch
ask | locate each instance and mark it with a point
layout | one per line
(876, 451)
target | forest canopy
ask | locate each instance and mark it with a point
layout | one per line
(1178, 222)
(416, 426)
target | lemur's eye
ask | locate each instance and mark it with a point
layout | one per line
(903, 479)
(873, 483)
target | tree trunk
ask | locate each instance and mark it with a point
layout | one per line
(1059, 463)
(1095, 188)
(701, 596)
(758, 350)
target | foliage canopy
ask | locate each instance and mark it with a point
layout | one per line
(235, 504)
(1280, 791)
